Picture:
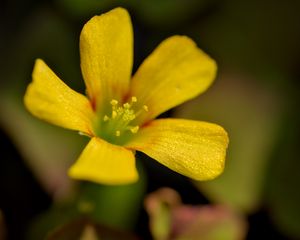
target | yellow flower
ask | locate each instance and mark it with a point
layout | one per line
(118, 112)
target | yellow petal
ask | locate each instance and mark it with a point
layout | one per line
(175, 72)
(192, 148)
(102, 162)
(48, 98)
(106, 51)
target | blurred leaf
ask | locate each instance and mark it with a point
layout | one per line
(249, 113)
(58, 215)
(85, 229)
(283, 195)
(89, 233)
(257, 36)
(159, 206)
(67, 232)
(161, 225)
(83, 8)
(48, 150)
(170, 219)
(42, 35)
(213, 223)
(116, 206)
(167, 13)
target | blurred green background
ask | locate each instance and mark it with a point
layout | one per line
(255, 98)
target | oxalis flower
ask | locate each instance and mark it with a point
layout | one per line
(118, 112)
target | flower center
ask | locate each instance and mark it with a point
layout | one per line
(117, 127)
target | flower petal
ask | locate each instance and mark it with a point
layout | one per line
(48, 98)
(106, 51)
(105, 163)
(192, 148)
(175, 72)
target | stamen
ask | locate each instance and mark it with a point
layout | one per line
(128, 115)
(83, 134)
(105, 118)
(134, 129)
(145, 107)
(114, 102)
(126, 105)
(118, 123)
(133, 99)
(114, 114)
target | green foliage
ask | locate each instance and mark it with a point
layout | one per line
(116, 206)
(282, 194)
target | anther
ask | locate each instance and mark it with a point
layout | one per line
(126, 105)
(83, 134)
(114, 114)
(114, 102)
(118, 133)
(134, 129)
(145, 107)
(105, 118)
(133, 99)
